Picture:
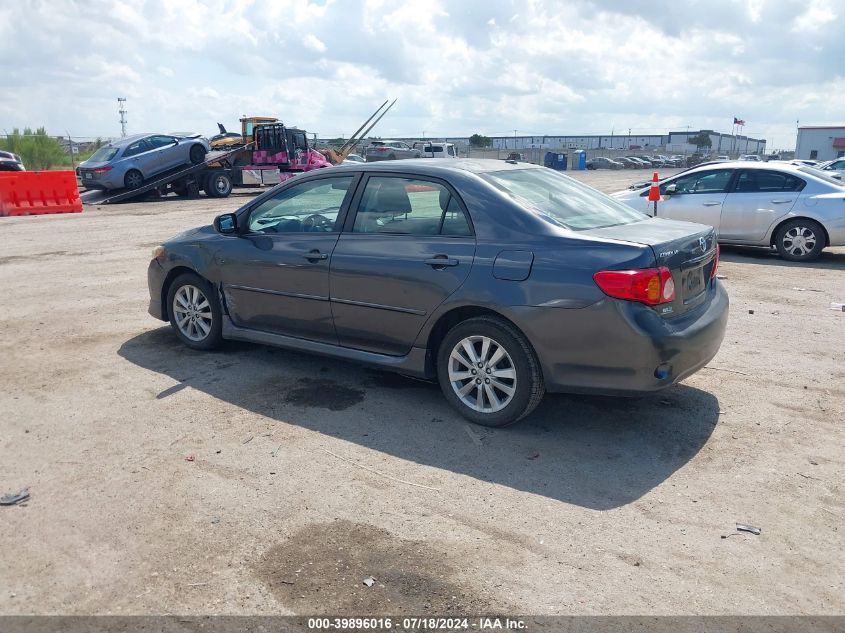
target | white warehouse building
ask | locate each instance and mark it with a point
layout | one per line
(820, 142)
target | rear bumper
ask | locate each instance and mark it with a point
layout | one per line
(621, 348)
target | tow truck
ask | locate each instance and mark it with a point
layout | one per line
(269, 152)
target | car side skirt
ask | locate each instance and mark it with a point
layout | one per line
(411, 364)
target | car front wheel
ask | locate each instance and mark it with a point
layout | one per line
(197, 154)
(488, 372)
(800, 240)
(195, 313)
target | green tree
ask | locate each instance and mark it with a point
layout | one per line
(700, 140)
(479, 140)
(37, 149)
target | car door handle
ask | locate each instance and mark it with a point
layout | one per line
(315, 255)
(441, 261)
(780, 201)
(711, 204)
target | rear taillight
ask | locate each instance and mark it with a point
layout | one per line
(102, 170)
(651, 286)
(715, 262)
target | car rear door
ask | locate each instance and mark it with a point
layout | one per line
(408, 246)
(698, 197)
(275, 273)
(758, 198)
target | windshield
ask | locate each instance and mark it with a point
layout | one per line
(822, 175)
(561, 200)
(103, 155)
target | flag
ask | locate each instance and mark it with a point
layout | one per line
(738, 121)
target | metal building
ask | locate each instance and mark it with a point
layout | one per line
(820, 142)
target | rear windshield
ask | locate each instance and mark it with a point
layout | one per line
(103, 155)
(822, 175)
(561, 200)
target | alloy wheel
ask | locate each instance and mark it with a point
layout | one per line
(799, 241)
(192, 312)
(482, 374)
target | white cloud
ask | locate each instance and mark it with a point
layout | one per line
(456, 67)
(314, 43)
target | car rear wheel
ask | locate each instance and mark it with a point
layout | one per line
(197, 154)
(800, 240)
(133, 179)
(218, 185)
(488, 372)
(195, 313)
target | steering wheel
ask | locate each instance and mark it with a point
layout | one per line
(317, 222)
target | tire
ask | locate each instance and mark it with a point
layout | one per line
(518, 359)
(197, 154)
(133, 179)
(800, 240)
(218, 185)
(192, 297)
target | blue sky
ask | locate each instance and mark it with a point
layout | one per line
(456, 67)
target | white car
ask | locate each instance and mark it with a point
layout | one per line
(436, 150)
(835, 167)
(751, 157)
(798, 210)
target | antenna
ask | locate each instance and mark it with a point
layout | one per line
(121, 108)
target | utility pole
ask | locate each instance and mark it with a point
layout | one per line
(514, 139)
(121, 108)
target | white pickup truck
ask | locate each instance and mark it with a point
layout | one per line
(430, 149)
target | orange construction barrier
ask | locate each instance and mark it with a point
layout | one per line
(39, 192)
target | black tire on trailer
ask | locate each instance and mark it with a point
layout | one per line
(133, 179)
(180, 188)
(197, 154)
(218, 184)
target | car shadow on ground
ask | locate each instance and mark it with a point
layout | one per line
(594, 452)
(769, 257)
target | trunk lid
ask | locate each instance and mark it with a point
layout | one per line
(687, 249)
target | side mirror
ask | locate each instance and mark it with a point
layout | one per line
(226, 224)
(671, 190)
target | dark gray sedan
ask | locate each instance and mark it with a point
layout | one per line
(500, 281)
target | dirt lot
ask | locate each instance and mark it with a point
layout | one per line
(309, 474)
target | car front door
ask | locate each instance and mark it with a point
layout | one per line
(758, 198)
(407, 248)
(697, 197)
(169, 153)
(275, 272)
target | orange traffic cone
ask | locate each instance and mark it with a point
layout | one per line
(654, 192)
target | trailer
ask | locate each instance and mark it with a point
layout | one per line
(272, 154)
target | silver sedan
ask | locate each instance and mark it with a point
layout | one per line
(798, 210)
(130, 161)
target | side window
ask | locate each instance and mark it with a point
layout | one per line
(408, 206)
(702, 182)
(760, 181)
(451, 150)
(436, 149)
(299, 141)
(161, 141)
(136, 148)
(304, 208)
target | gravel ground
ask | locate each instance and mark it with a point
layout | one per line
(261, 481)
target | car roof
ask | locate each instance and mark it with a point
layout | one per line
(128, 140)
(443, 166)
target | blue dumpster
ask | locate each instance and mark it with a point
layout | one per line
(579, 160)
(554, 160)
